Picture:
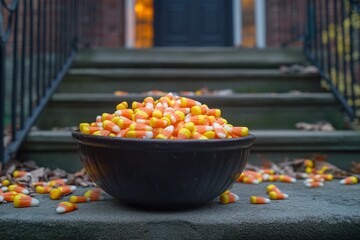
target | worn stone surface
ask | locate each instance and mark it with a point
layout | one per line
(331, 212)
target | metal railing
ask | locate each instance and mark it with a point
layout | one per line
(332, 44)
(38, 42)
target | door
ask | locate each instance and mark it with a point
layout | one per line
(193, 23)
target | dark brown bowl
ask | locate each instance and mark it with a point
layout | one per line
(163, 174)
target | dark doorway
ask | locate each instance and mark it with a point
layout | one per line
(193, 23)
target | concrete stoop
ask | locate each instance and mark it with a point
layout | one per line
(331, 212)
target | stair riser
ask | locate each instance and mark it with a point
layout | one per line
(64, 154)
(106, 84)
(65, 114)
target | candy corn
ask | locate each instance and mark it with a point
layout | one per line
(287, 179)
(272, 188)
(277, 195)
(163, 119)
(17, 174)
(43, 189)
(9, 196)
(259, 200)
(18, 189)
(349, 180)
(79, 199)
(94, 194)
(228, 197)
(21, 201)
(64, 207)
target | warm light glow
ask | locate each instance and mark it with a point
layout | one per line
(248, 27)
(144, 32)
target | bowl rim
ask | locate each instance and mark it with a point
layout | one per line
(150, 144)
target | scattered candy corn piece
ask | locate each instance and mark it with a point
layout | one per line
(228, 197)
(21, 201)
(349, 180)
(64, 207)
(259, 200)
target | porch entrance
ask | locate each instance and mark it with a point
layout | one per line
(193, 23)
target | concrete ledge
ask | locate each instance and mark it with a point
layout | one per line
(331, 212)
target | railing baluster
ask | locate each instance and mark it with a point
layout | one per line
(344, 65)
(31, 43)
(14, 79)
(44, 63)
(352, 72)
(23, 69)
(50, 39)
(337, 66)
(38, 51)
(316, 40)
(328, 38)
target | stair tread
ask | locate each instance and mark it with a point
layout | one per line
(192, 57)
(237, 98)
(169, 72)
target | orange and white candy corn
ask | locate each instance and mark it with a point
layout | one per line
(94, 194)
(219, 130)
(277, 195)
(199, 110)
(18, 174)
(79, 199)
(184, 133)
(64, 207)
(18, 189)
(199, 136)
(43, 189)
(166, 133)
(349, 180)
(21, 201)
(139, 127)
(57, 182)
(287, 179)
(86, 128)
(314, 184)
(9, 196)
(57, 193)
(127, 113)
(139, 134)
(259, 200)
(158, 123)
(250, 180)
(272, 188)
(124, 122)
(109, 125)
(202, 128)
(122, 105)
(228, 197)
(188, 102)
(237, 131)
(5, 182)
(214, 112)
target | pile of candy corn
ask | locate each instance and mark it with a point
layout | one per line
(169, 117)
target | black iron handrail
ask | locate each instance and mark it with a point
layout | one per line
(332, 44)
(38, 42)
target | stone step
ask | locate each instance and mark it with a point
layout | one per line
(257, 111)
(57, 148)
(330, 212)
(98, 80)
(188, 58)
